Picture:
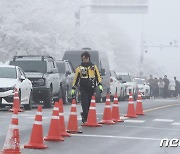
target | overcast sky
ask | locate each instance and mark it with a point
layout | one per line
(161, 26)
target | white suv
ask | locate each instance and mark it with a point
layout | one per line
(130, 85)
(12, 77)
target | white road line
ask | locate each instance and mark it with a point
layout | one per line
(164, 120)
(117, 137)
(135, 121)
(176, 123)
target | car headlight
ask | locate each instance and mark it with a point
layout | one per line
(41, 82)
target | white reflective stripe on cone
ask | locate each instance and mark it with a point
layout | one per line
(115, 99)
(61, 114)
(93, 101)
(14, 116)
(38, 122)
(55, 117)
(38, 113)
(139, 100)
(116, 105)
(56, 109)
(107, 106)
(139, 95)
(13, 126)
(130, 97)
(73, 113)
(108, 100)
(73, 105)
(92, 108)
(16, 97)
(131, 102)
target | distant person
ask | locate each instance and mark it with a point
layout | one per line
(88, 76)
(176, 87)
(165, 91)
(156, 88)
(172, 86)
(161, 87)
(151, 85)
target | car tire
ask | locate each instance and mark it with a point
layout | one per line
(29, 106)
(48, 101)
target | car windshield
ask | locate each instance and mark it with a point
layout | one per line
(125, 78)
(139, 81)
(7, 72)
(61, 67)
(31, 66)
(75, 59)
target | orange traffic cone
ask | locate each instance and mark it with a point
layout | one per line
(131, 111)
(54, 133)
(61, 120)
(92, 120)
(16, 102)
(36, 140)
(107, 116)
(12, 142)
(115, 110)
(139, 107)
(73, 123)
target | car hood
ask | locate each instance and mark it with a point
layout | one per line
(5, 82)
(34, 75)
(129, 84)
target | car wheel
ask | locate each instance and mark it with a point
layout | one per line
(29, 106)
(48, 101)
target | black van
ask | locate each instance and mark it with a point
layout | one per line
(98, 58)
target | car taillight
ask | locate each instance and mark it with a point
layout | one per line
(111, 80)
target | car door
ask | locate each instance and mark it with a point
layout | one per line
(71, 76)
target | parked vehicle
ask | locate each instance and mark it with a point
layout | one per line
(11, 78)
(66, 76)
(130, 85)
(98, 58)
(143, 87)
(116, 86)
(43, 73)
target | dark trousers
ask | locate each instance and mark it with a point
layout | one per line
(86, 101)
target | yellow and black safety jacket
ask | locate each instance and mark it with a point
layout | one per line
(87, 75)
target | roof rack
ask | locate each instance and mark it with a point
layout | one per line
(42, 57)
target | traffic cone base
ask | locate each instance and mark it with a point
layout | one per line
(53, 138)
(74, 132)
(108, 122)
(92, 125)
(118, 120)
(35, 146)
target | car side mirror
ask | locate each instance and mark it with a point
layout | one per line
(103, 72)
(22, 78)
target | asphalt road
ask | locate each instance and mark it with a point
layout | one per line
(135, 135)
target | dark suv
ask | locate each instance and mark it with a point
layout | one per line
(43, 73)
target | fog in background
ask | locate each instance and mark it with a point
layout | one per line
(51, 27)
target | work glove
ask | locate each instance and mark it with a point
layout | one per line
(73, 91)
(100, 88)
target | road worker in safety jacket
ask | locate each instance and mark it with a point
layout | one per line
(88, 77)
